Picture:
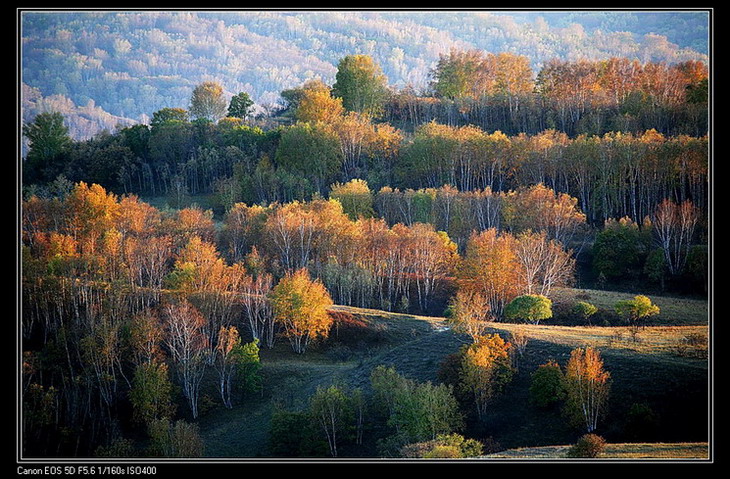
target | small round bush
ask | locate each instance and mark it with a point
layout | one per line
(589, 445)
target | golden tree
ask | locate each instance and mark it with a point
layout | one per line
(491, 267)
(300, 307)
(485, 369)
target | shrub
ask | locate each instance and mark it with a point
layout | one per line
(694, 345)
(589, 445)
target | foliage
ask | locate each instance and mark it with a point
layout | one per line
(207, 102)
(248, 370)
(294, 434)
(151, 393)
(240, 106)
(584, 310)
(529, 307)
(620, 249)
(169, 115)
(331, 409)
(317, 104)
(48, 137)
(304, 141)
(416, 411)
(468, 312)
(444, 446)
(355, 197)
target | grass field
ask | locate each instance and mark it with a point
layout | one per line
(660, 451)
(674, 311)
(649, 368)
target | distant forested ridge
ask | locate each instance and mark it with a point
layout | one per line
(128, 64)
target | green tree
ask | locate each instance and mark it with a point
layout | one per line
(455, 75)
(529, 307)
(697, 92)
(361, 84)
(636, 310)
(310, 151)
(331, 409)
(417, 411)
(547, 385)
(169, 115)
(151, 393)
(49, 139)
(240, 106)
(620, 249)
(584, 311)
(207, 102)
(355, 197)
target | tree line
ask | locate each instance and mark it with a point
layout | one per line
(335, 136)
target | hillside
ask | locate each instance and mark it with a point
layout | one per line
(416, 346)
(133, 63)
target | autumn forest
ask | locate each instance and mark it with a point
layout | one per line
(511, 260)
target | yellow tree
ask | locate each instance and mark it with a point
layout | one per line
(587, 387)
(485, 369)
(300, 306)
(318, 105)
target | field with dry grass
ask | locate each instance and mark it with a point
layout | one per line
(630, 451)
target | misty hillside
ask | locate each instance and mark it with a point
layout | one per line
(117, 67)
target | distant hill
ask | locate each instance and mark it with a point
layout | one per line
(130, 64)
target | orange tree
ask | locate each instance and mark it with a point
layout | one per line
(300, 307)
(587, 385)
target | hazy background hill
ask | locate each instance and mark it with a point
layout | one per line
(104, 68)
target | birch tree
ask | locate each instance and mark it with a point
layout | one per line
(587, 386)
(188, 347)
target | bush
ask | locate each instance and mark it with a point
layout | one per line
(444, 446)
(529, 307)
(589, 445)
